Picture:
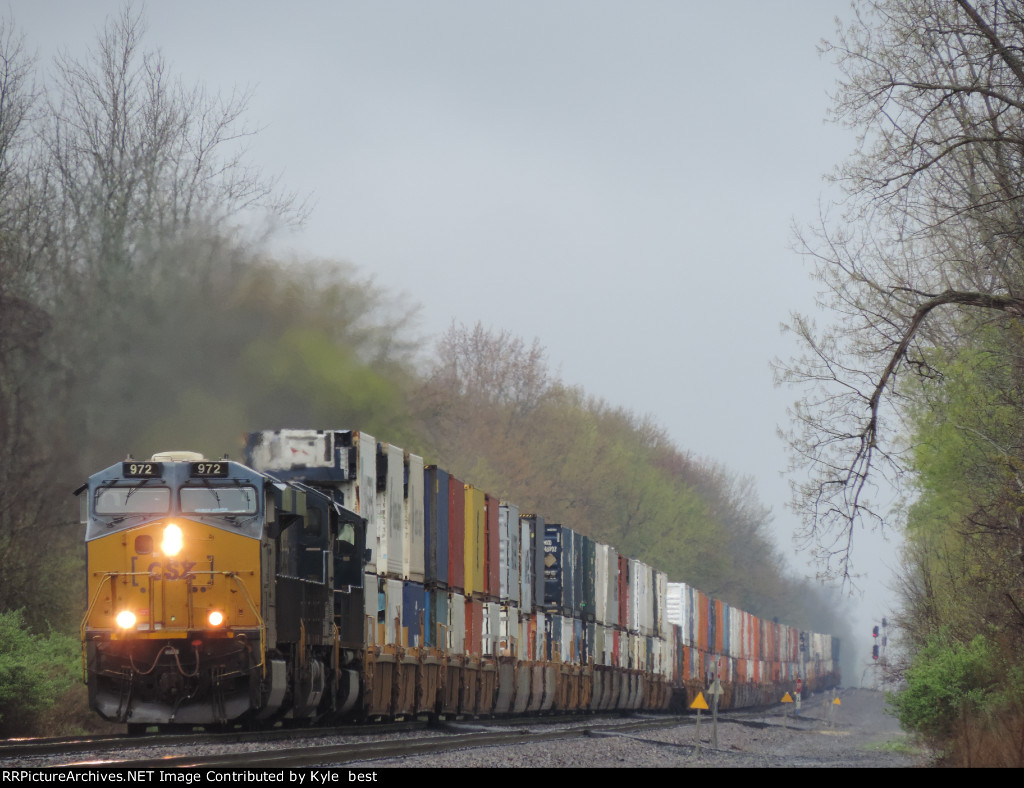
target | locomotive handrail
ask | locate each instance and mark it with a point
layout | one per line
(255, 611)
(95, 598)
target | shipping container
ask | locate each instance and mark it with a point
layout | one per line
(531, 567)
(474, 626)
(557, 569)
(414, 614)
(491, 585)
(623, 592)
(456, 534)
(342, 461)
(588, 582)
(456, 624)
(509, 531)
(437, 613)
(412, 519)
(390, 499)
(435, 527)
(475, 543)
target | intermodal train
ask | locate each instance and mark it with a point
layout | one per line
(332, 577)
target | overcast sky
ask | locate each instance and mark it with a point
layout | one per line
(618, 179)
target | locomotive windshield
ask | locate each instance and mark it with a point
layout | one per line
(219, 500)
(133, 500)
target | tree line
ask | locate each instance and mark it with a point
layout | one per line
(918, 377)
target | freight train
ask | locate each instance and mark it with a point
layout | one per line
(331, 578)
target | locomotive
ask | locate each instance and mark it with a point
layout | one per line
(331, 577)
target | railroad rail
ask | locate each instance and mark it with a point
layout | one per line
(309, 747)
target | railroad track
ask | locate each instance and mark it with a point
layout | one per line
(311, 747)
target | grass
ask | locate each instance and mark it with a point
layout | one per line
(901, 746)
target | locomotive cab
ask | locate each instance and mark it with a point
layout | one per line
(209, 588)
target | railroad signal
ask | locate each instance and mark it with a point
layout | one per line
(874, 652)
(874, 632)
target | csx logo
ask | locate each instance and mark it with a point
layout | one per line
(174, 570)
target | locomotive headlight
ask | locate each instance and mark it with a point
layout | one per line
(173, 541)
(125, 619)
(215, 618)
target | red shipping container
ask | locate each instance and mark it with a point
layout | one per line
(456, 534)
(474, 626)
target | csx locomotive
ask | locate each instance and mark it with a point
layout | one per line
(333, 577)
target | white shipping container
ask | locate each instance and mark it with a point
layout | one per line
(491, 628)
(389, 513)
(735, 632)
(360, 492)
(642, 596)
(508, 547)
(393, 612)
(456, 624)
(635, 584)
(674, 607)
(509, 632)
(372, 605)
(522, 644)
(292, 450)
(612, 615)
(346, 461)
(662, 627)
(525, 567)
(540, 644)
(412, 519)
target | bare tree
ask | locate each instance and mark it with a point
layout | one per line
(30, 513)
(931, 232)
(138, 156)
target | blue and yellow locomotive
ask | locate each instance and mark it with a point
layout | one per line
(216, 594)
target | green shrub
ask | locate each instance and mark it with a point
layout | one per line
(35, 672)
(948, 681)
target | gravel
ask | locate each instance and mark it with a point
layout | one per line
(857, 733)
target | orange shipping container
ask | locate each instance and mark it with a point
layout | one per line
(474, 626)
(719, 627)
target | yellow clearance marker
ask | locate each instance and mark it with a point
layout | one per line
(700, 705)
(786, 699)
(832, 710)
